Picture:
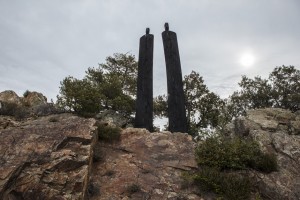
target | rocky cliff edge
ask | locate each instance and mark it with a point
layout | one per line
(46, 158)
(52, 158)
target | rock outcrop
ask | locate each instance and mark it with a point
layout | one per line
(32, 104)
(277, 132)
(29, 100)
(113, 118)
(46, 158)
(10, 96)
(32, 99)
(144, 165)
(52, 158)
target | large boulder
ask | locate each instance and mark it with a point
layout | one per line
(9, 96)
(32, 104)
(114, 118)
(144, 165)
(47, 158)
(32, 99)
(277, 132)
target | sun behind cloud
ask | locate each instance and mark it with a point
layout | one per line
(247, 60)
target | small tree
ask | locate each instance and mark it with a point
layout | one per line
(80, 96)
(203, 108)
(280, 90)
(286, 87)
(111, 85)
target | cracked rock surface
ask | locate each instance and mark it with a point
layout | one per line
(278, 132)
(144, 165)
(46, 158)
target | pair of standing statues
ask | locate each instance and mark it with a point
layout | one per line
(144, 102)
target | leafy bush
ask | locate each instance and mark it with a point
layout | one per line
(235, 154)
(229, 185)
(46, 109)
(21, 113)
(93, 190)
(26, 93)
(108, 133)
(218, 157)
(133, 188)
(53, 119)
(111, 85)
(265, 163)
(109, 173)
(13, 109)
(8, 108)
(98, 154)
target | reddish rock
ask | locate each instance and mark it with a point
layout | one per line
(46, 158)
(151, 163)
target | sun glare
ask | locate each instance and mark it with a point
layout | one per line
(247, 60)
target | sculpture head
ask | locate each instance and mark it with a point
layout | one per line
(147, 31)
(166, 26)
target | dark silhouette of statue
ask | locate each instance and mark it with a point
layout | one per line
(144, 101)
(176, 102)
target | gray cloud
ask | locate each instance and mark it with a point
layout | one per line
(44, 41)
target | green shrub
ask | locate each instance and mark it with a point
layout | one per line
(108, 133)
(221, 162)
(235, 186)
(109, 173)
(231, 186)
(21, 113)
(26, 93)
(133, 188)
(93, 190)
(13, 109)
(8, 109)
(98, 153)
(234, 154)
(265, 163)
(53, 119)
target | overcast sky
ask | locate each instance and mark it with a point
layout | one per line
(43, 41)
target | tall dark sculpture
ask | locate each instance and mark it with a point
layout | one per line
(176, 105)
(144, 101)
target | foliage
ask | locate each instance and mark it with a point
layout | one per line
(8, 108)
(107, 133)
(13, 109)
(133, 188)
(236, 153)
(53, 119)
(222, 162)
(204, 109)
(93, 190)
(21, 113)
(109, 173)
(280, 90)
(228, 185)
(98, 153)
(160, 105)
(123, 67)
(265, 162)
(110, 86)
(79, 96)
(286, 87)
(26, 93)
